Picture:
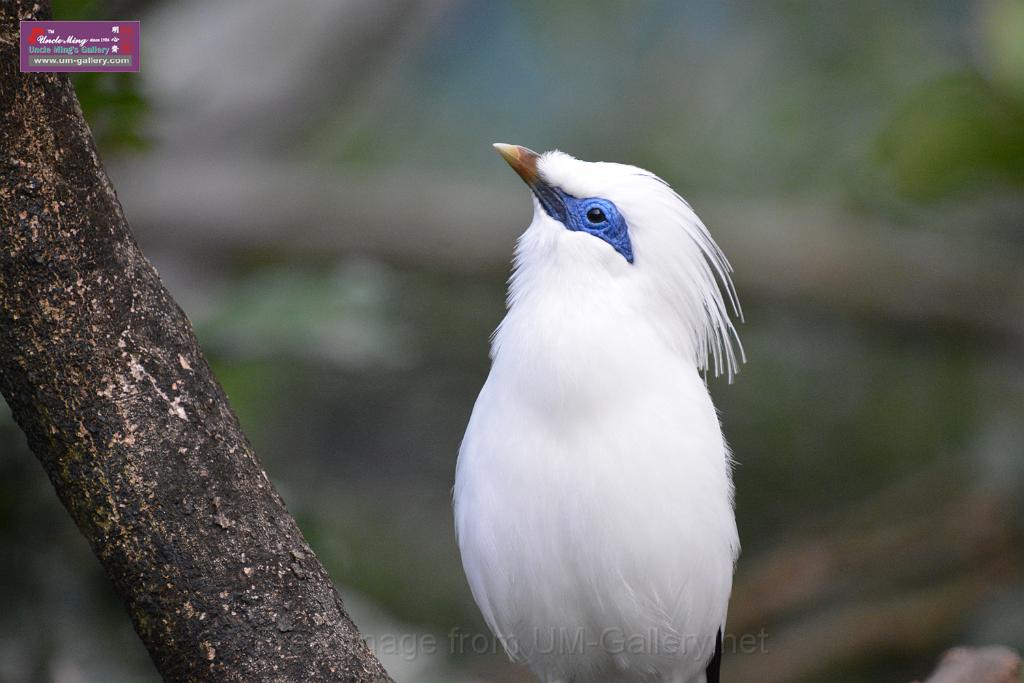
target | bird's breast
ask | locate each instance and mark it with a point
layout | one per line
(593, 493)
(585, 357)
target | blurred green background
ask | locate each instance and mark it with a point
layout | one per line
(315, 183)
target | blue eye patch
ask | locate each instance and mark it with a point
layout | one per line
(592, 215)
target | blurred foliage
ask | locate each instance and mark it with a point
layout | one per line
(958, 134)
(835, 437)
(112, 102)
(963, 133)
(1002, 42)
(114, 108)
(78, 10)
(342, 315)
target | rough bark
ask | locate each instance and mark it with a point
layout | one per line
(103, 373)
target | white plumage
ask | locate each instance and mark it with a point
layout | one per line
(593, 494)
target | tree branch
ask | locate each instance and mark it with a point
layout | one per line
(992, 664)
(104, 375)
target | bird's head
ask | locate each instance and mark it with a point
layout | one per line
(621, 233)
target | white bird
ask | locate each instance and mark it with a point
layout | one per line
(593, 495)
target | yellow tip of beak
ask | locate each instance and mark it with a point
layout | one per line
(522, 160)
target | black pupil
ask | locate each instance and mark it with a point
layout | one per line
(595, 215)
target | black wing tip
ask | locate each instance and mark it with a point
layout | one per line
(714, 671)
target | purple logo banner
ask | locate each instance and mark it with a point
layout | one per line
(79, 46)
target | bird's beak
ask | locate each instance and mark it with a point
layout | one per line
(522, 160)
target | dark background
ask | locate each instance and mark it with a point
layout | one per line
(315, 183)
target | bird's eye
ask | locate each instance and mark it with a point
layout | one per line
(595, 215)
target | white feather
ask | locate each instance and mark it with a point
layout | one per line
(593, 494)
